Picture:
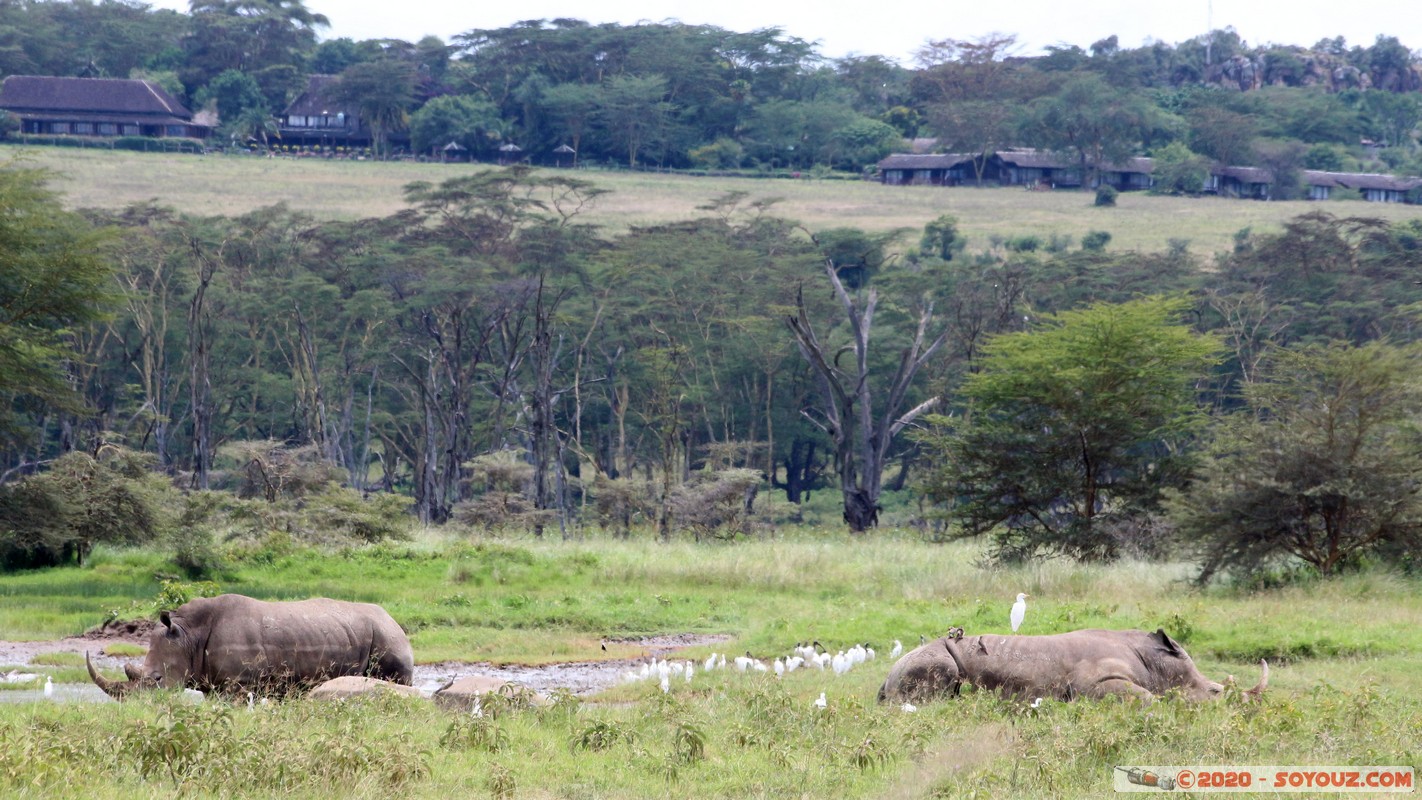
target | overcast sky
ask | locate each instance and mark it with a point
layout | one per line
(896, 31)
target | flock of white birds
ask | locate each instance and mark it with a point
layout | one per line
(804, 656)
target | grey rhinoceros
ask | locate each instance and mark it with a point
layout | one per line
(231, 644)
(1063, 666)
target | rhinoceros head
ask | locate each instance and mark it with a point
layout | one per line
(169, 661)
(1177, 670)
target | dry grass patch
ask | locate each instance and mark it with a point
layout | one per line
(230, 185)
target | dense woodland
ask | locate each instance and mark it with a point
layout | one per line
(484, 358)
(694, 96)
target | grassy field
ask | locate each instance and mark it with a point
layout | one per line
(1343, 689)
(350, 189)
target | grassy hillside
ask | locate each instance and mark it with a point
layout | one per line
(346, 189)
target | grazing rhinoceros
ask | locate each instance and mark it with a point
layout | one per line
(232, 644)
(1063, 666)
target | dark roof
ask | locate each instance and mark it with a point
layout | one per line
(1039, 159)
(1135, 164)
(314, 101)
(1317, 177)
(1245, 174)
(929, 161)
(1365, 180)
(42, 93)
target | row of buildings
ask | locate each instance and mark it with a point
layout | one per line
(1041, 169)
(52, 106)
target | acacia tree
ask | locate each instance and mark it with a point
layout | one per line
(1323, 465)
(1089, 118)
(862, 437)
(1072, 429)
(53, 279)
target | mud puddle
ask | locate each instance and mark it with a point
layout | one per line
(582, 678)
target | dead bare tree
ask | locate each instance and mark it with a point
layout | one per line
(861, 438)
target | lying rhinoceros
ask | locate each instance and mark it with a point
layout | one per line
(232, 644)
(1063, 666)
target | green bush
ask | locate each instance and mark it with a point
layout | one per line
(59, 515)
(1105, 196)
(1095, 241)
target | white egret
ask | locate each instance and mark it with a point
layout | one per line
(793, 663)
(898, 649)
(868, 651)
(666, 682)
(743, 662)
(1019, 610)
(48, 687)
(710, 663)
(821, 702)
(779, 668)
(689, 671)
(908, 708)
(1037, 703)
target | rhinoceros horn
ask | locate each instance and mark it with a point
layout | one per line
(1258, 691)
(115, 689)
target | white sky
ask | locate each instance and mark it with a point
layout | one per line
(897, 30)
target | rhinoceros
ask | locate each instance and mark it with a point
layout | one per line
(233, 644)
(1063, 666)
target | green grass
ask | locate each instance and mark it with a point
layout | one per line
(231, 185)
(1343, 685)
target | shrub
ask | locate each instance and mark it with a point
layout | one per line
(1095, 241)
(1105, 196)
(49, 518)
(716, 503)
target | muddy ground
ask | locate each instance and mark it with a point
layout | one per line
(580, 677)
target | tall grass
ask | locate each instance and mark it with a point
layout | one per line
(1343, 690)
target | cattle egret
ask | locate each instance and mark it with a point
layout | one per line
(779, 668)
(710, 663)
(868, 651)
(1037, 703)
(821, 703)
(898, 649)
(48, 687)
(743, 662)
(909, 708)
(689, 671)
(1019, 610)
(666, 682)
(251, 701)
(793, 663)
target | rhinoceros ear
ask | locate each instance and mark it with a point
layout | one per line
(166, 618)
(1167, 642)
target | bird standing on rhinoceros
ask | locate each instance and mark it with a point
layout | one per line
(1063, 666)
(232, 644)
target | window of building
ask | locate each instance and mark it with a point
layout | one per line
(84, 127)
(59, 127)
(108, 128)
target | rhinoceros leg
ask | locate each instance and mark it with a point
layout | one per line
(1121, 687)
